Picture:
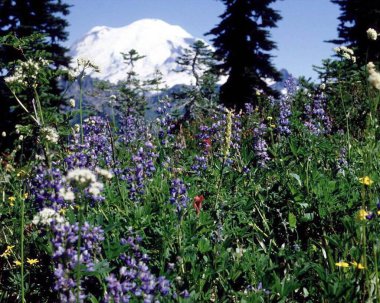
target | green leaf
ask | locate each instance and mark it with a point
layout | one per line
(292, 221)
(204, 245)
(297, 177)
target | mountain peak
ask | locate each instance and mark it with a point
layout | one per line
(160, 42)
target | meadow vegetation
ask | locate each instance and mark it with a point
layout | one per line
(274, 203)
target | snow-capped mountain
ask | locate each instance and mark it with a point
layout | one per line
(161, 44)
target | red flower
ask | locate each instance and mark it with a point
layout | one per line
(198, 203)
(207, 142)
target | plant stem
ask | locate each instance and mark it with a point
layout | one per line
(22, 213)
(80, 107)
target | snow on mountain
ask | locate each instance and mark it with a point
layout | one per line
(161, 44)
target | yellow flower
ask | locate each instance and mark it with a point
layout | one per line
(269, 118)
(21, 173)
(357, 265)
(11, 200)
(366, 180)
(17, 262)
(7, 251)
(25, 196)
(32, 261)
(342, 264)
(362, 214)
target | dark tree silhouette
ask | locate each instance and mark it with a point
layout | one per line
(357, 16)
(242, 43)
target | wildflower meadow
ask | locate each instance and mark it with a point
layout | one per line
(277, 202)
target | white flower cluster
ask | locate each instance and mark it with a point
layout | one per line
(103, 172)
(47, 216)
(77, 128)
(67, 194)
(26, 70)
(90, 121)
(345, 52)
(84, 179)
(50, 134)
(72, 103)
(82, 176)
(372, 34)
(82, 65)
(374, 76)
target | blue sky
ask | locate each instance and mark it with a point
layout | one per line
(299, 36)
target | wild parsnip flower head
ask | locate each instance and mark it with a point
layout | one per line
(50, 134)
(372, 34)
(72, 103)
(227, 134)
(46, 216)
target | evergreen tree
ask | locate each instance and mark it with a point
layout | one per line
(242, 46)
(198, 61)
(23, 18)
(357, 16)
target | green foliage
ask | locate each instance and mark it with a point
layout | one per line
(19, 21)
(301, 228)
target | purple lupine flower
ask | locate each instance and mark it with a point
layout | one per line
(213, 136)
(342, 163)
(65, 256)
(45, 186)
(260, 145)
(96, 148)
(317, 120)
(140, 171)
(199, 164)
(249, 108)
(132, 129)
(135, 279)
(178, 195)
(165, 122)
(285, 104)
